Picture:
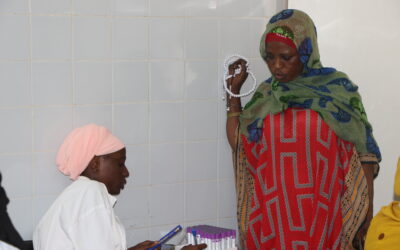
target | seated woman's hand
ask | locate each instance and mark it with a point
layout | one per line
(195, 247)
(144, 245)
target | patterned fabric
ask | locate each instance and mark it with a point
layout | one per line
(299, 169)
(325, 90)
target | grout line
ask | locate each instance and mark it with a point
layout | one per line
(218, 86)
(104, 60)
(34, 180)
(73, 73)
(184, 107)
(136, 17)
(149, 120)
(112, 26)
(214, 100)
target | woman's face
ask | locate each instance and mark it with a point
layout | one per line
(283, 61)
(112, 171)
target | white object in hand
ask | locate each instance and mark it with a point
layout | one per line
(228, 61)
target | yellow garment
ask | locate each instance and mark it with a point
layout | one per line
(397, 179)
(384, 232)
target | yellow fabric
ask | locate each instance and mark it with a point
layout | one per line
(384, 232)
(397, 179)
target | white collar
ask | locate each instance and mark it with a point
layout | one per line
(112, 198)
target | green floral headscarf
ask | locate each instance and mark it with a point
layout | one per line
(324, 90)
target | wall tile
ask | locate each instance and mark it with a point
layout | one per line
(51, 6)
(92, 83)
(202, 8)
(166, 163)
(167, 7)
(201, 201)
(201, 161)
(257, 28)
(225, 165)
(229, 34)
(234, 8)
(14, 45)
(16, 85)
(166, 81)
(137, 162)
(51, 37)
(16, 130)
(40, 205)
(201, 120)
(48, 179)
(131, 123)
(202, 80)
(160, 212)
(132, 207)
(96, 7)
(130, 8)
(264, 8)
(201, 39)
(222, 118)
(130, 38)
(12, 6)
(92, 37)
(98, 114)
(227, 199)
(211, 222)
(16, 167)
(51, 126)
(21, 213)
(131, 82)
(166, 38)
(230, 222)
(52, 83)
(163, 116)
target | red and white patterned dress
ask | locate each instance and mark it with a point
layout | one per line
(298, 167)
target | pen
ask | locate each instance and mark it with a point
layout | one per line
(194, 236)
(166, 237)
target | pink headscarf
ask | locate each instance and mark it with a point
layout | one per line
(81, 145)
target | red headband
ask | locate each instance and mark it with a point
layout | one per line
(275, 37)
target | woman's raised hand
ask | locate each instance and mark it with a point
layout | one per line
(235, 83)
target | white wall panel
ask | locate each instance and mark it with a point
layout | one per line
(149, 70)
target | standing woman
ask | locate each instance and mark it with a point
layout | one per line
(304, 154)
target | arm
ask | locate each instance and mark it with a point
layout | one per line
(369, 175)
(233, 103)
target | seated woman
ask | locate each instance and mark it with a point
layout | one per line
(82, 217)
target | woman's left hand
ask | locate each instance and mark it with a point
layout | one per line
(362, 232)
(369, 175)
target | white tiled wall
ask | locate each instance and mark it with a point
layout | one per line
(147, 69)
